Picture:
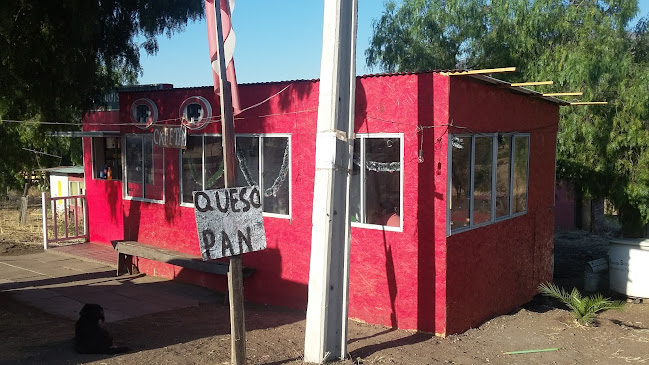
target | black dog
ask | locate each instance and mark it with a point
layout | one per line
(89, 336)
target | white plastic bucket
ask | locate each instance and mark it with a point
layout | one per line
(629, 267)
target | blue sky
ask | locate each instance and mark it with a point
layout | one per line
(276, 40)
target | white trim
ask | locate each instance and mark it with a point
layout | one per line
(260, 165)
(449, 177)
(125, 180)
(180, 166)
(362, 137)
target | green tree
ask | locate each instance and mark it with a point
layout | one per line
(585, 45)
(58, 57)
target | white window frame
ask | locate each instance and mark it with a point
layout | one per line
(260, 166)
(362, 137)
(494, 167)
(125, 180)
(180, 166)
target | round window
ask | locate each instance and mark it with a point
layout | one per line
(196, 112)
(144, 113)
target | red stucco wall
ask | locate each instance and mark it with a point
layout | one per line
(412, 279)
(494, 269)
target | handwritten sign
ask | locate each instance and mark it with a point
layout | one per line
(229, 221)
(170, 137)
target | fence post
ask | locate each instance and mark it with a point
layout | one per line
(84, 203)
(23, 210)
(44, 207)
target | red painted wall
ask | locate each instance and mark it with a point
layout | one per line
(494, 269)
(105, 216)
(565, 215)
(401, 279)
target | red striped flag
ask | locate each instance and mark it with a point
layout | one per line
(228, 45)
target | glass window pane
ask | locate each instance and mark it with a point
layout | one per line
(503, 172)
(214, 163)
(98, 159)
(153, 168)
(276, 165)
(460, 181)
(134, 173)
(483, 166)
(382, 181)
(355, 184)
(106, 157)
(521, 159)
(247, 151)
(192, 167)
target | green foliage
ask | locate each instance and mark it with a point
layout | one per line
(584, 309)
(59, 57)
(585, 46)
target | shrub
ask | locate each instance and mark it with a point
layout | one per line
(584, 309)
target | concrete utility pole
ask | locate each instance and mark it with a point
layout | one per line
(326, 319)
(235, 275)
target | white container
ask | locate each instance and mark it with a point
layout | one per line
(629, 266)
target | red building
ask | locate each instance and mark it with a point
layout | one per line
(451, 200)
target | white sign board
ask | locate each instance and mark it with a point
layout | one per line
(229, 221)
(171, 137)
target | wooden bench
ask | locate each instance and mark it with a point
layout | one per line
(127, 249)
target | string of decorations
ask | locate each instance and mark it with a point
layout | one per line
(279, 180)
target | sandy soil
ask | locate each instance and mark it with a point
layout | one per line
(276, 336)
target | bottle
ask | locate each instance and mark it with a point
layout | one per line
(110, 173)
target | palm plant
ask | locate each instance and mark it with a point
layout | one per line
(584, 309)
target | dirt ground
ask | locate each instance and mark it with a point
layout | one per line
(276, 336)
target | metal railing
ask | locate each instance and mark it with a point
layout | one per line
(71, 210)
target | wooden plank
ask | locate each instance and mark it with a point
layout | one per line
(175, 258)
(564, 94)
(531, 83)
(480, 72)
(590, 103)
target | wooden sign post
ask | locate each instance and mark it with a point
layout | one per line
(235, 275)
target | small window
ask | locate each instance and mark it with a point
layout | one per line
(194, 113)
(144, 168)
(521, 167)
(201, 166)
(106, 158)
(503, 175)
(375, 191)
(144, 113)
(266, 161)
(482, 181)
(460, 198)
(488, 179)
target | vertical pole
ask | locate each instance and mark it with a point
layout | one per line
(65, 215)
(235, 276)
(84, 203)
(55, 219)
(326, 320)
(44, 208)
(76, 217)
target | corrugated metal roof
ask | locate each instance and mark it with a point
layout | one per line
(65, 170)
(452, 72)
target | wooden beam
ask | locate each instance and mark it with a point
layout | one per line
(235, 272)
(564, 94)
(480, 72)
(532, 83)
(590, 103)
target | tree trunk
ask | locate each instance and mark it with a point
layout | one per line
(632, 224)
